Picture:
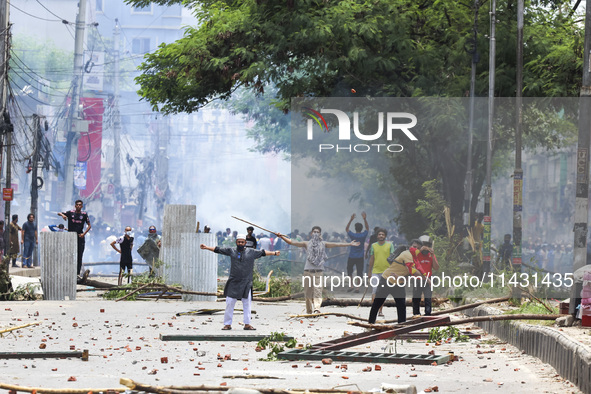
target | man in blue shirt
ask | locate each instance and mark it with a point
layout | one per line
(29, 240)
(356, 252)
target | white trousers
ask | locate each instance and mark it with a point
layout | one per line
(231, 303)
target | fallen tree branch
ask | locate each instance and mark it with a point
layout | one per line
(537, 299)
(97, 284)
(13, 387)
(162, 288)
(275, 299)
(133, 292)
(468, 306)
(475, 319)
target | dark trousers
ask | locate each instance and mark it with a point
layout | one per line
(356, 263)
(399, 295)
(417, 292)
(81, 245)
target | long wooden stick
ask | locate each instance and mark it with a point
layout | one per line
(6, 386)
(474, 319)
(203, 388)
(468, 306)
(352, 317)
(252, 224)
(19, 327)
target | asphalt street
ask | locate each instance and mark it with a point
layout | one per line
(123, 339)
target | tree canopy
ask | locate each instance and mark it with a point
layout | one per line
(390, 48)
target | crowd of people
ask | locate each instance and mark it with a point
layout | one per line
(386, 265)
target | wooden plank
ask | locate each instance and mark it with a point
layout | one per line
(364, 357)
(365, 337)
(10, 355)
(216, 338)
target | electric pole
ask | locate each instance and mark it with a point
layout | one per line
(118, 193)
(35, 165)
(491, 107)
(75, 113)
(6, 126)
(518, 174)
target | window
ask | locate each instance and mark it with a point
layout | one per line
(141, 10)
(140, 45)
(99, 6)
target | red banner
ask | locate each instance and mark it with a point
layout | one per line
(89, 145)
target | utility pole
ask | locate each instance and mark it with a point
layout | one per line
(468, 185)
(34, 186)
(582, 190)
(6, 126)
(75, 111)
(118, 194)
(35, 164)
(491, 107)
(518, 173)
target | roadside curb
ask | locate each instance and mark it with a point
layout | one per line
(570, 359)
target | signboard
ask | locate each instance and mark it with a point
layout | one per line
(486, 238)
(80, 175)
(7, 194)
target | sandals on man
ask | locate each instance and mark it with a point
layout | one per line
(226, 327)
(248, 327)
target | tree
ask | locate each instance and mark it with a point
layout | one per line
(395, 48)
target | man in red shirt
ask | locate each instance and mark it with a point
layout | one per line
(425, 263)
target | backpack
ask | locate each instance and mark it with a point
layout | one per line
(392, 258)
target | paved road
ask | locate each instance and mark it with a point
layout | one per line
(124, 342)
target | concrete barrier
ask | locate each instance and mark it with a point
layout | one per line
(177, 219)
(59, 251)
(570, 359)
(199, 267)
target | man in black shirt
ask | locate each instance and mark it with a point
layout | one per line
(125, 246)
(251, 241)
(76, 219)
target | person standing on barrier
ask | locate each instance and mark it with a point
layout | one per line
(239, 284)
(402, 265)
(76, 219)
(426, 263)
(314, 268)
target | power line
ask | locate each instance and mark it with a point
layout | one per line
(38, 17)
(48, 10)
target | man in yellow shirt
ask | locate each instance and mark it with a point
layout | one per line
(378, 261)
(401, 266)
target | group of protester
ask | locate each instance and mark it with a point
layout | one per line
(12, 247)
(386, 265)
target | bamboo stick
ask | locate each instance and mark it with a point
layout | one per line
(7, 386)
(475, 319)
(19, 327)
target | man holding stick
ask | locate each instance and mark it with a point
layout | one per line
(239, 284)
(314, 268)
